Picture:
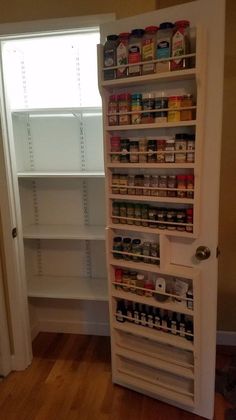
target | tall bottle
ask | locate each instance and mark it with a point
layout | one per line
(163, 46)
(135, 51)
(180, 45)
(122, 52)
(109, 56)
(148, 49)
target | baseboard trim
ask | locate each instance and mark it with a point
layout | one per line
(226, 338)
(34, 331)
(74, 327)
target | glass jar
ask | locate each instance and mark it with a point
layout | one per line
(180, 45)
(135, 52)
(126, 247)
(123, 108)
(124, 149)
(143, 149)
(112, 110)
(162, 184)
(180, 147)
(133, 281)
(148, 103)
(123, 184)
(115, 212)
(109, 57)
(115, 184)
(190, 148)
(189, 221)
(122, 51)
(148, 49)
(161, 146)
(138, 180)
(125, 280)
(152, 148)
(136, 108)
(146, 183)
(115, 148)
(131, 183)
(174, 102)
(154, 252)
(161, 102)
(164, 38)
(130, 213)
(181, 185)
(137, 214)
(140, 283)
(136, 249)
(186, 114)
(118, 278)
(144, 214)
(134, 149)
(123, 213)
(154, 183)
(170, 147)
(117, 246)
(190, 186)
(181, 218)
(171, 183)
(152, 215)
(161, 219)
(146, 252)
(171, 218)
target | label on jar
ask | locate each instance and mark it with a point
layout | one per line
(122, 58)
(178, 48)
(163, 51)
(134, 57)
(148, 54)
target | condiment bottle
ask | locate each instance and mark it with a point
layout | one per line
(161, 102)
(109, 55)
(181, 185)
(180, 147)
(140, 283)
(174, 102)
(189, 295)
(190, 186)
(112, 110)
(118, 277)
(136, 108)
(186, 101)
(124, 108)
(148, 49)
(163, 49)
(149, 286)
(135, 51)
(148, 103)
(190, 148)
(180, 45)
(122, 52)
(170, 148)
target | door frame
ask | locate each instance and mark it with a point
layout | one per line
(15, 278)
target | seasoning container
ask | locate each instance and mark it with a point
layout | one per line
(112, 110)
(170, 148)
(137, 214)
(123, 108)
(136, 108)
(171, 218)
(180, 218)
(189, 217)
(115, 184)
(133, 281)
(122, 51)
(190, 186)
(146, 183)
(180, 147)
(143, 149)
(189, 295)
(130, 213)
(149, 286)
(161, 102)
(118, 278)
(136, 249)
(115, 212)
(123, 213)
(154, 252)
(190, 148)
(144, 214)
(134, 149)
(186, 101)
(138, 181)
(148, 49)
(124, 149)
(109, 57)
(152, 216)
(146, 252)
(163, 50)
(154, 183)
(181, 185)
(152, 148)
(140, 283)
(120, 311)
(161, 219)
(131, 183)
(135, 52)
(148, 103)
(123, 184)
(174, 102)
(180, 45)
(171, 183)
(161, 146)
(117, 246)
(162, 184)
(125, 280)
(126, 247)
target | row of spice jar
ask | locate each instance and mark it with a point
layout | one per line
(179, 149)
(180, 186)
(149, 107)
(152, 217)
(135, 250)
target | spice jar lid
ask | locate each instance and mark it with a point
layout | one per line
(127, 240)
(151, 29)
(124, 97)
(181, 136)
(112, 98)
(124, 35)
(137, 32)
(174, 98)
(136, 241)
(190, 177)
(135, 96)
(189, 212)
(117, 239)
(148, 95)
(181, 177)
(166, 25)
(115, 138)
(112, 37)
(191, 137)
(182, 23)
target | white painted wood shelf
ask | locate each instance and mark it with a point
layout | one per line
(146, 198)
(150, 126)
(114, 165)
(56, 111)
(143, 229)
(89, 233)
(68, 288)
(60, 174)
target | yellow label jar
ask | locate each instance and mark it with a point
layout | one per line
(174, 102)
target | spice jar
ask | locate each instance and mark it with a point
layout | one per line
(180, 218)
(146, 183)
(149, 49)
(161, 146)
(186, 101)
(123, 108)
(174, 103)
(144, 214)
(125, 280)
(126, 247)
(143, 149)
(181, 185)
(136, 249)
(190, 186)
(112, 110)
(115, 183)
(115, 148)
(189, 217)
(117, 246)
(123, 213)
(123, 184)
(131, 183)
(190, 148)
(115, 212)
(171, 183)
(139, 183)
(154, 183)
(109, 57)
(122, 55)
(152, 147)
(135, 52)
(170, 147)
(140, 283)
(149, 286)
(154, 252)
(162, 184)
(130, 213)
(136, 108)
(161, 219)
(134, 149)
(148, 102)
(161, 102)
(180, 147)
(170, 218)
(118, 277)
(124, 149)
(133, 281)
(137, 214)
(164, 38)
(180, 45)
(152, 214)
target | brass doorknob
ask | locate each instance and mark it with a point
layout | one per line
(202, 253)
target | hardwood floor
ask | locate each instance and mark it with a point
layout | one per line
(70, 379)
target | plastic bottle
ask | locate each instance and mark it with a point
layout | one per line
(180, 45)
(135, 51)
(122, 52)
(148, 49)
(109, 55)
(163, 46)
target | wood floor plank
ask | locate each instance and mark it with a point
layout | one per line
(70, 379)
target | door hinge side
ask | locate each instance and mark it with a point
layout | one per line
(14, 232)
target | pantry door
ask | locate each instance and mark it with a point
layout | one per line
(181, 251)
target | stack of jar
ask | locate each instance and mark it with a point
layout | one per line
(180, 149)
(180, 186)
(141, 251)
(149, 107)
(146, 51)
(152, 217)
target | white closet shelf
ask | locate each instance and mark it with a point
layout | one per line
(64, 232)
(61, 174)
(68, 288)
(151, 125)
(54, 111)
(188, 74)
